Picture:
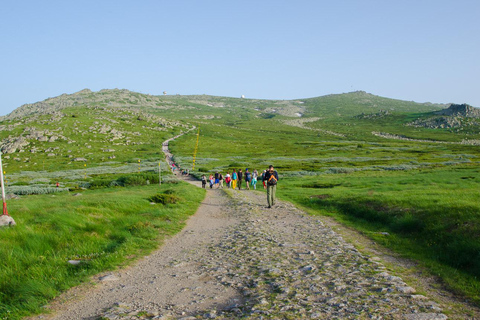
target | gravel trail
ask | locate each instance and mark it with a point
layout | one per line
(237, 259)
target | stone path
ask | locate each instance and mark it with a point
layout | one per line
(237, 259)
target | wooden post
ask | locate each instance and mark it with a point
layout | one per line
(3, 187)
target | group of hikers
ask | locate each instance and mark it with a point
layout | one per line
(235, 179)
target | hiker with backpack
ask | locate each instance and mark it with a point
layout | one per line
(254, 179)
(220, 180)
(212, 181)
(270, 183)
(204, 181)
(228, 179)
(248, 178)
(240, 177)
(234, 179)
(217, 181)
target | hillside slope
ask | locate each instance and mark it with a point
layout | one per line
(111, 127)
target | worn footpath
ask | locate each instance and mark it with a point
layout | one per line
(238, 259)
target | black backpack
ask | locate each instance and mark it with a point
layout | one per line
(272, 180)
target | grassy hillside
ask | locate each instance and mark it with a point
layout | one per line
(424, 194)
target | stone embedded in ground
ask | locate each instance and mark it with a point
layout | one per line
(406, 290)
(425, 316)
(6, 221)
(110, 277)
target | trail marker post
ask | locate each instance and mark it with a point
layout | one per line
(196, 149)
(5, 219)
(5, 212)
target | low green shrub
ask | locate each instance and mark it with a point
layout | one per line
(164, 198)
(99, 184)
(28, 190)
(336, 170)
(133, 180)
(318, 185)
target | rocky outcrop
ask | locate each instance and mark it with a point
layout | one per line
(440, 123)
(371, 116)
(460, 110)
(455, 116)
(12, 144)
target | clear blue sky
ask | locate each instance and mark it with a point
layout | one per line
(421, 50)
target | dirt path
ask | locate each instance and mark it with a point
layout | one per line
(250, 261)
(399, 137)
(300, 123)
(237, 259)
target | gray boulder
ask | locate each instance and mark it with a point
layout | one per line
(6, 221)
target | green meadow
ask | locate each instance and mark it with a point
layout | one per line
(101, 228)
(419, 199)
(431, 215)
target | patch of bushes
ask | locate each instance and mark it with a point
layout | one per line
(164, 198)
(137, 179)
(95, 184)
(236, 165)
(28, 190)
(319, 185)
(336, 170)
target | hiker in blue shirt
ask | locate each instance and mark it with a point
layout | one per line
(248, 178)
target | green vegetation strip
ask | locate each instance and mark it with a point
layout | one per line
(431, 216)
(102, 229)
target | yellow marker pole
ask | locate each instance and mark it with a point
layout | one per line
(138, 165)
(85, 169)
(196, 149)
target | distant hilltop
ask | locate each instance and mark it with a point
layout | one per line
(345, 104)
(460, 110)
